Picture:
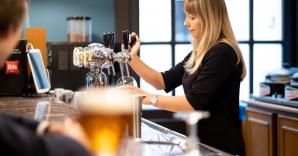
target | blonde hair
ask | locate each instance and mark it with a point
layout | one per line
(215, 27)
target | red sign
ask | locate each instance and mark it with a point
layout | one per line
(12, 67)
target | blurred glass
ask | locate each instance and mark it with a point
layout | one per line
(96, 78)
(105, 121)
(157, 57)
(181, 51)
(192, 141)
(58, 94)
(264, 64)
(244, 86)
(125, 81)
(42, 111)
(181, 33)
(155, 20)
(268, 20)
(238, 11)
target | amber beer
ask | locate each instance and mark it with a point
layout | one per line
(105, 115)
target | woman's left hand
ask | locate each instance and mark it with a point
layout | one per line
(137, 90)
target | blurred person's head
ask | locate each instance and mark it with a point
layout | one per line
(208, 23)
(11, 17)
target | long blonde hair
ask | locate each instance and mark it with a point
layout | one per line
(215, 27)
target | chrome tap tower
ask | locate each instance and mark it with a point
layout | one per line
(126, 79)
(97, 57)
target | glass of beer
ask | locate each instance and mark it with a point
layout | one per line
(105, 115)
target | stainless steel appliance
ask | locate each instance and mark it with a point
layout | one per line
(63, 74)
(275, 82)
(291, 90)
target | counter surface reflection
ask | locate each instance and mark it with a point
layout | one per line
(156, 140)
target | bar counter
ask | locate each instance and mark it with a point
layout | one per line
(274, 105)
(156, 140)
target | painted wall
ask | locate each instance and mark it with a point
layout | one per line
(52, 14)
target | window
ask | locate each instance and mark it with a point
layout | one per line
(181, 33)
(155, 20)
(267, 24)
(156, 48)
(244, 87)
(239, 17)
(263, 65)
(158, 57)
(258, 32)
(181, 51)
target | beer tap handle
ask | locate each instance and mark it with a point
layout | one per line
(109, 71)
(127, 69)
(111, 40)
(122, 68)
(113, 70)
(125, 35)
(105, 39)
(133, 40)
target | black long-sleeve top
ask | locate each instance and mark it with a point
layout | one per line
(214, 87)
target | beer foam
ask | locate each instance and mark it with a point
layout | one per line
(106, 101)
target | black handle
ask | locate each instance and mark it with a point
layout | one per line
(105, 39)
(133, 40)
(111, 40)
(125, 35)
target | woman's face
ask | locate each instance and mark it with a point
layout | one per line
(192, 23)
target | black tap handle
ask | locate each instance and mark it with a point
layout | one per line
(105, 39)
(133, 40)
(111, 40)
(125, 35)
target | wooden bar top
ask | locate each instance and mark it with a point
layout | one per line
(28, 106)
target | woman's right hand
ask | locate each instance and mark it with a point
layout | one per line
(136, 47)
(138, 91)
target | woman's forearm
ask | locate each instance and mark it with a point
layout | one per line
(173, 103)
(150, 75)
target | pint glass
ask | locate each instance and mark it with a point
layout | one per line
(105, 115)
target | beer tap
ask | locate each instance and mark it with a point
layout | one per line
(124, 48)
(123, 58)
(109, 42)
(97, 57)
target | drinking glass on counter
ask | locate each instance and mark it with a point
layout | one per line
(191, 119)
(105, 116)
(125, 81)
(42, 111)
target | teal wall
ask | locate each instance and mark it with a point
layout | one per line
(51, 14)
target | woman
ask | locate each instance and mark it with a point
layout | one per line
(210, 75)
